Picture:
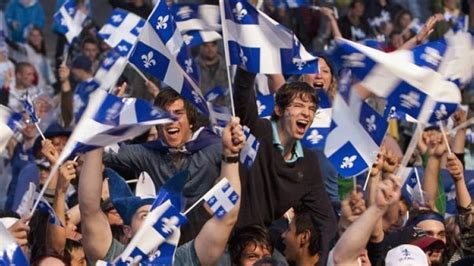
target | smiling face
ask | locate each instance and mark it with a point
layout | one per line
(296, 118)
(176, 134)
(322, 79)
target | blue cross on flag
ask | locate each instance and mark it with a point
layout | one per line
(161, 52)
(250, 150)
(70, 20)
(356, 132)
(121, 31)
(221, 198)
(260, 44)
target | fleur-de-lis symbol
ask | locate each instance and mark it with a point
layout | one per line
(348, 161)
(314, 137)
(148, 60)
(261, 107)
(108, 61)
(371, 126)
(441, 112)
(239, 11)
(431, 56)
(162, 22)
(169, 225)
(242, 56)
(71, 11)
(117, 18)
(197, 99)
(189, 65)
(299, 63)
(410, 100)
(187, 39)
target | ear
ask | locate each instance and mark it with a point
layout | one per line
(127, 230)
(278, 111)
(304, 237)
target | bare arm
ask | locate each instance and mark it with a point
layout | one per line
(275, 81)
(96, 233)
(460, 116)
(355, 238)
(456, 170)
(423, 34)
(56, 235)
(212, 239)
(436, 149)
(329, 13)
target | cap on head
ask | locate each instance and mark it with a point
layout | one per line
(406, 255)
(82, 62)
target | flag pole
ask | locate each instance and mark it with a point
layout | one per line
(45, 186)
(39, 130)
(444, 137)
(419, 185)
(367, 179)
(138, 71)
(193, 206)
(65, 53)
(227, 56)
(411, 148)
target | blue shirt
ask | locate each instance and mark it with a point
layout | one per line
(297, 151)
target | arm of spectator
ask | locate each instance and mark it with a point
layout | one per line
(436, 149)
(375, 177)
(459, 117)
(355, 238)
(244, 99)
(211, 241)
(351, 209)
(455, 168)
(56, 234)
(96, 232)
(20, 230)
(275, 81)
(51, 154)
(329, 13)
(152, 88)
(67, 96)
(424, 33)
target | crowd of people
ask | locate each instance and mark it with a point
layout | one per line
(294, 208)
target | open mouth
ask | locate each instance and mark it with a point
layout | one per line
(172, 131)
(302, 124)
(318, 84)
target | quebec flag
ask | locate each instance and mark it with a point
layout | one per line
(221, 198)
(10, 252)
(70, 20)
(121, 31)
(159, 225)
(110, 119)
(317, 133)
(161, 52)
(29, 108)
(416, 90)
(411, 189)
(10, 124)
(265, 104)
(261, 45)
(250, 150)
(110, 70)
(356, 132)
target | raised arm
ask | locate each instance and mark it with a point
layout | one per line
(329, 13)
(244, 99)
(455, 168)
(459, 117)
(96, 233)
(56, 235)
(436, 149)
(354, 240)
(212, 239)
(423, 34)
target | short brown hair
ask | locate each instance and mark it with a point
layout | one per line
(289, 91)
(168, 96)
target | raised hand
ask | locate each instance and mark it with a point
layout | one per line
(67, 172)
(352, 207)
(49, 151)
(455, 168)
(19, 230)
(233, 138)
(388, 192)
(436, 145)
